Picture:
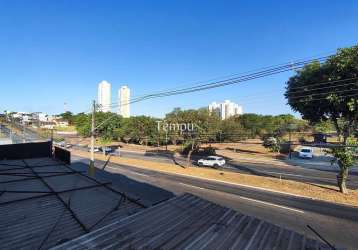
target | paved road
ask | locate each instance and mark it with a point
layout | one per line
(284, 210)
(296, 173)
(28, 136)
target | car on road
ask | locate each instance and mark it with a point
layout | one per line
(107, 150)
(212, 161)
(60, 144)
(95, 149)
(306, 152)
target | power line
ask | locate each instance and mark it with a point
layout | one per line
(230, 81)
(323, 93)
(321, 55)
(307, 87)
(323, 83)
(227, 77)
(316, 99)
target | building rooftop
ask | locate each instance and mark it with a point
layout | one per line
(44, 202)
(189, 222)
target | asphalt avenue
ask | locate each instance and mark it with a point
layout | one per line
(292, 212)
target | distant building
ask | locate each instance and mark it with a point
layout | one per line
(40, 117)
(124, 99)
(225, 109)
(104, 96)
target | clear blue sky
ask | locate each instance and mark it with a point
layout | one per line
(57, 51)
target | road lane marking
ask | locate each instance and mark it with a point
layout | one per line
(271, 204)
(249, 199)
(283, 173)
(130, 172)
(188, 185)
(297, 175)
(140, 174)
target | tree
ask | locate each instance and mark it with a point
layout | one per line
(109, 123)
(231, 130)
(138, 129)
(324, 127)
(68, 116)
(329, 91)
(83, 124)
(329, 100)
(345, 158)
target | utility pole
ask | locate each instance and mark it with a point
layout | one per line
(51, 135)
(93, 124)
(11, 128)
(166, 140)
(23, 132)
(289, 138)
(291, 127)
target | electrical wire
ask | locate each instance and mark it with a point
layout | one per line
(233, 80)
(268, 72)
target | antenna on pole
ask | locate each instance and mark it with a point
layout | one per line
(65, 107)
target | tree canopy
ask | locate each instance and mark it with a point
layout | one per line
(208, 127)
(328, 91)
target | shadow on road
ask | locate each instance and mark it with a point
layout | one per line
(144, 193)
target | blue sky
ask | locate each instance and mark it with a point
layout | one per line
(58, 51)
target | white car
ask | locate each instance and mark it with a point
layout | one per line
(212, 161)
(306, 152)
(95, 149)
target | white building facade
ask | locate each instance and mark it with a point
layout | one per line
(225, 109)
(124, 95)
(104, 96)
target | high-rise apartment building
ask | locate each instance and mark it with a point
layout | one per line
(225, 109)
(104, 96)
(124, 99)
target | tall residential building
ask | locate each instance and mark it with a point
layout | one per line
(124, 95)
(225, 109)
(104, 96)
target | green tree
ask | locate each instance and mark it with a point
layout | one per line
(329, 101)
(68, 116)
(82, 123)
(324, 127)
(231, 130)
(345, 158)
(139, 129)
(107, 123)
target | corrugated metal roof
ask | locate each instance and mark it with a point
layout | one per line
(189, 222)
(33, 212)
